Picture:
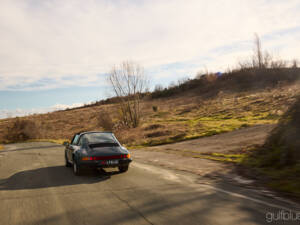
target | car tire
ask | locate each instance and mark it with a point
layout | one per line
(76, 168)
(68, 164)
(123, 168)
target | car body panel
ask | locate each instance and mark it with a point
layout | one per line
(101, 153)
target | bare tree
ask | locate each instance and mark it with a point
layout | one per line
(128, 83)
(294, 63)
(158, 87)
(258, 54)
(262, 60)
(182, 81)
(268, 59)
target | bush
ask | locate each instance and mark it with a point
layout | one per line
(158, 133)
(154, 126)
(105, 121)
(286, 136)
(22, 130)
(278, 160)
(155, 108)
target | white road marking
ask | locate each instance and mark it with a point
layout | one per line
(252, 199)
(169, 175)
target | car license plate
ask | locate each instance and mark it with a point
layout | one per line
(112, 162)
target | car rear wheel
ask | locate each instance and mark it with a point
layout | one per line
(76, 169)
(123, 168)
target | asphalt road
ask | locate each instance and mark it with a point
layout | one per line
(36, 188)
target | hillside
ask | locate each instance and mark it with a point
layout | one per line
(175, 117)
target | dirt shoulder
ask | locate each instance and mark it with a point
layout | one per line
(202, 167)
(222, 143)
(185, 155)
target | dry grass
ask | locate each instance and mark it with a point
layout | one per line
(178, 118)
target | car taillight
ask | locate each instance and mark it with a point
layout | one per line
(127, 156)
(86, 158)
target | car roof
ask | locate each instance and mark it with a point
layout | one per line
(89, 132)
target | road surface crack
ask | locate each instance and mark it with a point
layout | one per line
(133, 208)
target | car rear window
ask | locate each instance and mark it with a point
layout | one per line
(93, 138)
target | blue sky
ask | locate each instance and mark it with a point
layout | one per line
(28, 99)
(56, 54)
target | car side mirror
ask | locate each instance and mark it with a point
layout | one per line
(66, 143)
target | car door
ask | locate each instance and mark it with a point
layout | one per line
(72, 146)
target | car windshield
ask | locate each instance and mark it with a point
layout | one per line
(93, 138)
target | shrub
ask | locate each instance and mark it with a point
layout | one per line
(158, 134)
(284, 141)
(105, 121)
(155, 108)
(154, 126)
(22, 130)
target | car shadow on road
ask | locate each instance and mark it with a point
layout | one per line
(53, 176)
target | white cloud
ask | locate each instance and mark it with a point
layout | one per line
(25, 112)
(56, 39)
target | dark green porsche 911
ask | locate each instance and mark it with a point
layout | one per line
(96, 150)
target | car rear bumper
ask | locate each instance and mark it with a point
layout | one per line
(104, 163)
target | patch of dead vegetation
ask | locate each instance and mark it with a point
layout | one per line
(158, 133)
(154, 127)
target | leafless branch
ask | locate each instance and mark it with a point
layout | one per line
(128, 82)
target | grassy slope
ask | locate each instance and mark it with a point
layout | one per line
(178, 118)
(189, 117)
